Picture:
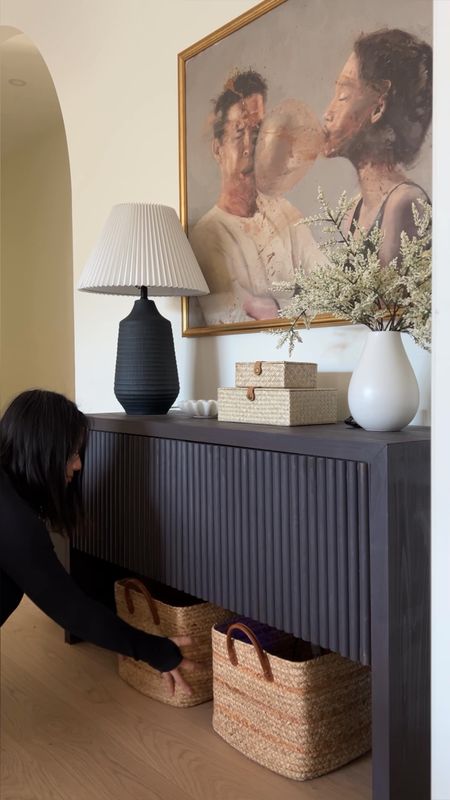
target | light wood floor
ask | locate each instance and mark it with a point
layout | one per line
(72, 730)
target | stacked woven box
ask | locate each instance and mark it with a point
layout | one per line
(277, 393)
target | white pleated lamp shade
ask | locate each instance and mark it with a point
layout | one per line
(143, 244)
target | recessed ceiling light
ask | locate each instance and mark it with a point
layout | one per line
(17, 82)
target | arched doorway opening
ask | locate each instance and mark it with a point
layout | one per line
(36, 278)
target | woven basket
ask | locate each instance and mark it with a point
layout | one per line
(194, 618)
(278, 406)
(300, 718)
(276, 374)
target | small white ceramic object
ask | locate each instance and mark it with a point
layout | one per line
(199, 408)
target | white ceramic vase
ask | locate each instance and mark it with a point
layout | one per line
(383, 394)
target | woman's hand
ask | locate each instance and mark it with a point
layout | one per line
(174, 678)
(261, 307)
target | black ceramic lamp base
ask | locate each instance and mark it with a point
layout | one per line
(146, 380)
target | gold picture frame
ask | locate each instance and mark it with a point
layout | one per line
(287, 43)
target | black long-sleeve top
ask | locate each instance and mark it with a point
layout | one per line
(29, 565)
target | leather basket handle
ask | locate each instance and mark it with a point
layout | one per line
(141, 587)
(263, 659)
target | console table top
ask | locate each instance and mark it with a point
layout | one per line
(338, 441)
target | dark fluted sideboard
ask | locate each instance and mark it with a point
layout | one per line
(323, 531)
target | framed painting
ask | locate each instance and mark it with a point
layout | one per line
(291, 96)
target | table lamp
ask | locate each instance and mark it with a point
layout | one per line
(142, 250)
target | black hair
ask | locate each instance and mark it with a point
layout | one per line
(39, 432)
(238, 86)
(407, 63)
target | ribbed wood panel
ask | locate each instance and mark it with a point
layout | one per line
(280, 537)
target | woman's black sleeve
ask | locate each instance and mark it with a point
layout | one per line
(28, 557)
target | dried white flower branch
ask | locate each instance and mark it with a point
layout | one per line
(355, 286)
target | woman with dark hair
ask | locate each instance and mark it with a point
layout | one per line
(42, 440)
(378, 119)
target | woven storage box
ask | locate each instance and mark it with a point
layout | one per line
(277, 374)
(278, 406)
(180, 615)
(300, 718)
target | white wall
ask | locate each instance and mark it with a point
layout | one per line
(115, 71)
(440, 561)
